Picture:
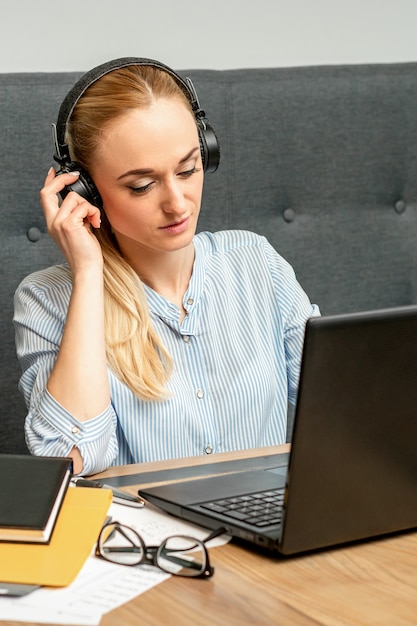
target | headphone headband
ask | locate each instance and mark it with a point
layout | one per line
(210, 149)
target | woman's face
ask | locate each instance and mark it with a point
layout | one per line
(149, 173)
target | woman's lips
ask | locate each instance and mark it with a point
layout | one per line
(177, 227)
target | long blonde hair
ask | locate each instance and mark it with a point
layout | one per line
(135, 353)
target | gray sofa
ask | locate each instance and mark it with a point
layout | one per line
(321, 160)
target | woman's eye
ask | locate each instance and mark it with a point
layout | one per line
(145, 188)
(190, 172)
(142, 189)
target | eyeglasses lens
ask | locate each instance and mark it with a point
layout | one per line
(183, 556)
(121, 544)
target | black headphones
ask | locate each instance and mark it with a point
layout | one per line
(84, 186)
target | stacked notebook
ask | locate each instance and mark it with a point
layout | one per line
(32, 489)
(47, 528)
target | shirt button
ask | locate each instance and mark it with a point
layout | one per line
(75, 430)
(200, 394)
(190, 301)
(209, 449)
(186, 338)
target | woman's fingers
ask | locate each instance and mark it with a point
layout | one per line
(69, 222)
(59, 180)
(54, 184)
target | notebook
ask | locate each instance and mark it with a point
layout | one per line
(352, 469)
(58, 563)
(32, 489)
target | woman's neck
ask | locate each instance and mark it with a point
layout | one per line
(168, 273)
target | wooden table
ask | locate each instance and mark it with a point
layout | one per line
(372, 583)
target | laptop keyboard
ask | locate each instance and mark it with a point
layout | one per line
(259, 509)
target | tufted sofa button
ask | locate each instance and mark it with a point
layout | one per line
(288, 215)
(34, 234)
(400, 206)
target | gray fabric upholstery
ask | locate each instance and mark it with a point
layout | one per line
(321, 160)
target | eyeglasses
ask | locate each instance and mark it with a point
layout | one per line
(179, 555)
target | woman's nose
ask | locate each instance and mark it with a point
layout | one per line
(173, 198)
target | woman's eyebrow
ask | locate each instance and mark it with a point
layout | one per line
(145, 171)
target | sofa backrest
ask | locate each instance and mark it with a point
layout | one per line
(321, 160)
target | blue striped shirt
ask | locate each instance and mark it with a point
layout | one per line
(236, 358)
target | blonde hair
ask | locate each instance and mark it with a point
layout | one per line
(135, 352)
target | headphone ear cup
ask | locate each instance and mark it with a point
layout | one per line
(209, 145)
(83, 185)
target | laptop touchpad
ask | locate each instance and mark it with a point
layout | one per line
(282, 471)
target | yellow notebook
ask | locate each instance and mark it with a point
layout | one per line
(57, 564)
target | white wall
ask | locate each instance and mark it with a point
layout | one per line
(46, 35)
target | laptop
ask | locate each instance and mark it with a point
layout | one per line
(351, 473)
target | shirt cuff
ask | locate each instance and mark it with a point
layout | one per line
(71, 428)
(54, 432)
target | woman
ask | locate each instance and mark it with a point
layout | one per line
(151, 342)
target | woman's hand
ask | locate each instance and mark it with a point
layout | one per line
(70, 223)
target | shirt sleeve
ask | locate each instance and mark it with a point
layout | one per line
(295, 308)
(39, 318)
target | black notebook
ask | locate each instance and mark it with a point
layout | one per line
(32, 489)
